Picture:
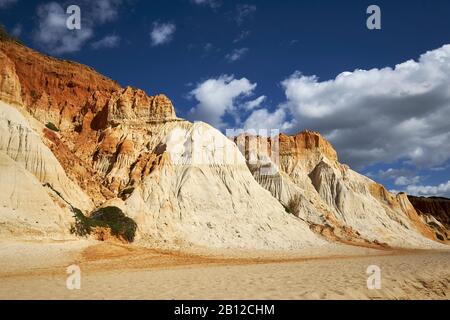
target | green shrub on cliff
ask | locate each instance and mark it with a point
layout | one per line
(112, 218)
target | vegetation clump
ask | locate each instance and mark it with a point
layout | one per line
(111, 218)
(51, 126)
(293, 206)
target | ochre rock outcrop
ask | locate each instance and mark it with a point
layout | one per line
(10, 90)
(69, 94)
(81, 103)
(305, 144)
(57, 91)
(133, 106)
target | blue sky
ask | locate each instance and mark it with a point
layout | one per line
(273, 64)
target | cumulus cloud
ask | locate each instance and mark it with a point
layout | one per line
(263, 119)
(442, 190)
(379, 115)
(52, 33)
(105, 10)
(109, 41)
(399, 176)
(253, 104)
(162, 33)
(217, 96)
(243, 12)
(404, 181)
(391, 173)
(236, 54)
(7, 3)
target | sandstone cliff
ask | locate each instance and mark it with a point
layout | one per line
(333, 199)
(81, 103)
(76, 139)
(124, 148)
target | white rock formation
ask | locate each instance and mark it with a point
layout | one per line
(183, 183)
(22, 144)
(27, 210)
(336, 200)
(203, 194)
(35, 188)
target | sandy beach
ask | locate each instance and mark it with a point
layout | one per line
(30, 270)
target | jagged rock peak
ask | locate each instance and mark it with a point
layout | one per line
(68, 93)
(134, 105)
(306, 141)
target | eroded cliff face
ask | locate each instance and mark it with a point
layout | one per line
(183, 183)
(335, 200)
(306, 148)
(133, 106)
(10, 89)
(126, 149)
(83, 105)
(57, 91)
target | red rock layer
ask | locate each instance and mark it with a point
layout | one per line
(82, 104)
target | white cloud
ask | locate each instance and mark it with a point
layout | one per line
(263, 119)
(6, 3)
(391, 173)
(210, 3)
(244, 11)
(244, 34)
(109, 41)
(399, 176)
(236, 54)
(162, 33)
(105, 10)
(379, 115)
(53, 34)
(217, 96)
(253, 104)
(442, 189)
(404, 181)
